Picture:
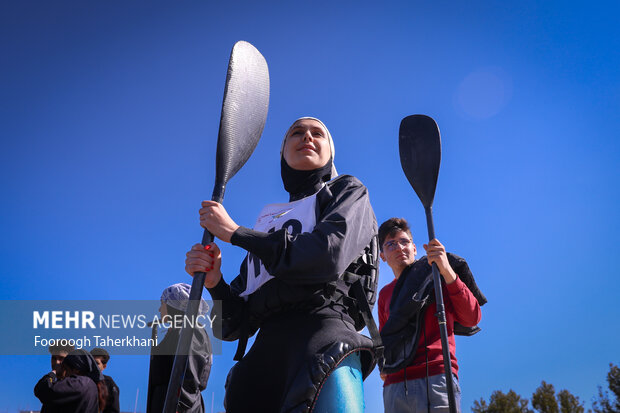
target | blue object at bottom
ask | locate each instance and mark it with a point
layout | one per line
(343, 391)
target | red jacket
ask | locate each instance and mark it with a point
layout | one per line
(460, 305)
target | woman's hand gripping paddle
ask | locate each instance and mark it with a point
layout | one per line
(420, 155)
(244, 111)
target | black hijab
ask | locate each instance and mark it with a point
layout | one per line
(300, 184)
(82, 361)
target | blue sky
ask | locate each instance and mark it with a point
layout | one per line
(109, 114)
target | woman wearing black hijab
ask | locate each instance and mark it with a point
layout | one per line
(307, 343)
(80, 391)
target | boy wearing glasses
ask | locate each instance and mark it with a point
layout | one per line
(416, 381)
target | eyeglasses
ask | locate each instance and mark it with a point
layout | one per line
(393, 244)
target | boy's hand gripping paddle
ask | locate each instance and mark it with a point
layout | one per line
(420, 156)
(244, 111)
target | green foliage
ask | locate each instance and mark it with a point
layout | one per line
(569, 403)
(544, 400)
(604, 404)
(501, 402)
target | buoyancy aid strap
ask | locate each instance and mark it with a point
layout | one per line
(364, 308)
(241, 346)
(243, 337)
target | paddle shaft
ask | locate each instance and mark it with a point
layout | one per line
(441, 316)
(187, 332)
(154, 338)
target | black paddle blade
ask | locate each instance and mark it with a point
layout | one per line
(244, 110)
(420, 155)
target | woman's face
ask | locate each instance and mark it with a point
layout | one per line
(306, 146)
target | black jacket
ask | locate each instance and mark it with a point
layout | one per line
(75, 394)
(112, 404)
(304, 332)
(196, 375)
(302, 264)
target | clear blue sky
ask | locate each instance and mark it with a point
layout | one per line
(109, 114)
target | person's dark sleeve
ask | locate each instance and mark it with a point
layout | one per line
(116, 405)
(345, 226)
(197, 373)
(190, 392)
(53, 391)
(113, 402)
(229, 315)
